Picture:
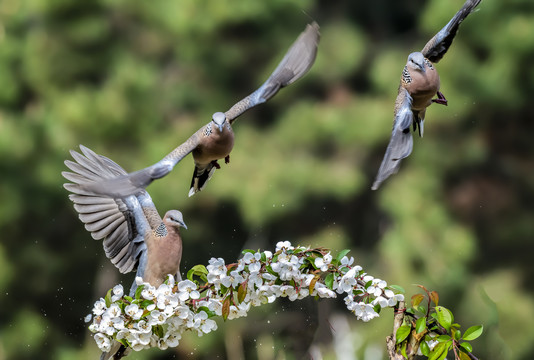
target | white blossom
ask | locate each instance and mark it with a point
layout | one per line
(100, 307)
(345, 261)
(284, 245)
(322, 262)
(133, 311)
(233, 280)
(253, 261)
(118, 292)
(103, 342)
(187, 290)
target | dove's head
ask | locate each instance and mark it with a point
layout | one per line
(416, 61)
(219, 119)
(174, 218)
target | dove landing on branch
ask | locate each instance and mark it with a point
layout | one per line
(418, 85)
(134, 236)
(215, 140)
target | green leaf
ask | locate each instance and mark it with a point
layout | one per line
(198, 270)
(456, 334)
(464, 356)
(138, 291)
(207, 310)
(403, 350)
(402, 333)
(416, 299)
(439, 351)
(443, 338)
(420, 325)
(107, 299)
(445, 317)
(128, 298)
(145, 303)
(271, 271)
(467, 346)
(248, 251)
(425, 349)
(341, 254)
(158, 330)
(398, 289)
(329, 281)
(473, 332)
(122, 341)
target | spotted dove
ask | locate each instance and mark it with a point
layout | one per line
(418, 85)
(215, 140)
(134, 235)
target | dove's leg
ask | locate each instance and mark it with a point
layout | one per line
(441, 99)
(216, 164)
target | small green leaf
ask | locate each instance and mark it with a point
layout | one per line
(329, 281)
(445, 317)
(122, 341)
(311, 260)
(341, 254)
(416, 299)
(464, 356)
(443, 338)
(456, 334)
(207, 310)
(473, 332)
(158, 330)
(467, 346)
(138, 291)
(397, 289)
(145, 303)
(402, 333)
(420, 325)
(128, 298)
(425, 349)
(226, 308)
(198, 270)
(271, 271)
(420, 309)
(107, 299)
(403, 350)
(248, 251)
(438, 351)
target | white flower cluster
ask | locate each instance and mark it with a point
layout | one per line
(159, 316)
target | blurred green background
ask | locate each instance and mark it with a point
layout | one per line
(133, 79)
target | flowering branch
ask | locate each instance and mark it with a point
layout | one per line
(158, 316)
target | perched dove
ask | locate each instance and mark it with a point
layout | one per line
(134, 235)
(215, 140)
(418, 85)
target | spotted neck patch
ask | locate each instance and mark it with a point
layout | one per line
(429, 64)
(161, 230)
(406, 78)
(208, 130)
